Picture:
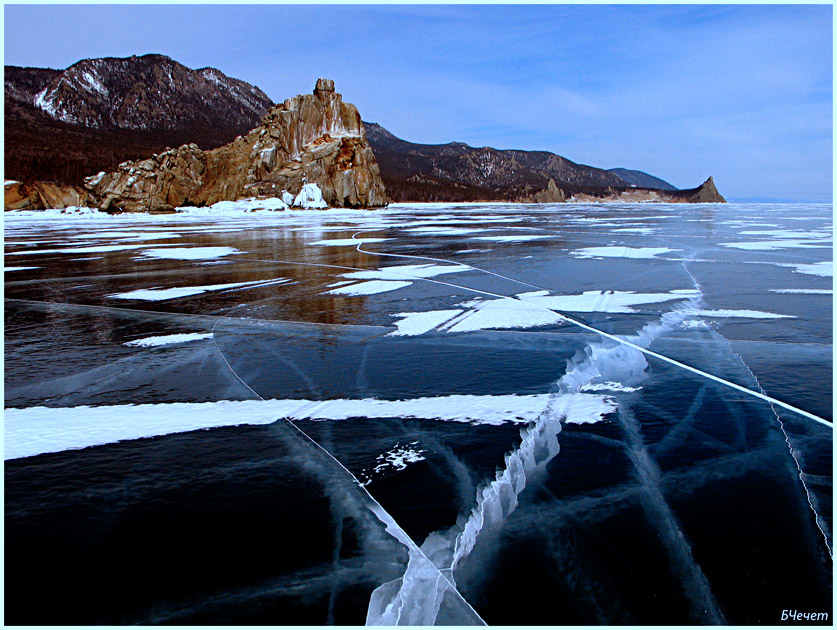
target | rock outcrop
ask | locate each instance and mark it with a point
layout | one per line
(313, 137)
(41, 195)
(705, 193)
(550, 194)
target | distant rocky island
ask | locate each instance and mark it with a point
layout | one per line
(119, 117)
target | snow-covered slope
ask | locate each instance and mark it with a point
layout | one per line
(148, 92)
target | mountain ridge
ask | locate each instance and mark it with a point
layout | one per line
(63, 125)
(456, 171)
(641, 179)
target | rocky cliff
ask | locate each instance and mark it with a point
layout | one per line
(40, 195)
(314, 137)
(705, 193)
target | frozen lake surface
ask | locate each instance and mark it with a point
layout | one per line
(428, 414)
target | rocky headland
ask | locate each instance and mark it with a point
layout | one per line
(121, 116)
(312, 138)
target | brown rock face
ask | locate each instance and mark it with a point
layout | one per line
(315, 136)
(550, 194)
(706, 193)
(41, 195)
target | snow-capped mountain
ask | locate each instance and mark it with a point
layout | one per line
(63, 125)
(147, 92)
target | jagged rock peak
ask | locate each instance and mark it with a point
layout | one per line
(324, 85)
(708, 193)
(311, 137)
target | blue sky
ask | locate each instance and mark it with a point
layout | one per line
(740, 92)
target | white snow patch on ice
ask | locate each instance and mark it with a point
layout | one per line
(112, 234)
(805, 291)
(165, 340)
(391, 278)
(503, 313)
(608, 386)
(92, 249)
(348, 241)
(370, 287)
(401, 272)
(190, 253)
(635, 230)
(739, 313)
(248, 205)
(532, 309)
(823, 234)
(602, 301)
(51, 214)
(512, 238)
(824, 268)
(412, 324)
(767, 246)
(622, 252)
(444, 231)
(35, 430)
(156, 294)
